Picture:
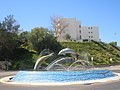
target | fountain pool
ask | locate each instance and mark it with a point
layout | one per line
(64, 75)
(60, 76)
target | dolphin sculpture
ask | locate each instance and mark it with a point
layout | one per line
(40, 60)
(67, 50)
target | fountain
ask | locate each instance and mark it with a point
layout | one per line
(65, 70)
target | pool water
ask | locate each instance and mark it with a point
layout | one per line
(60, 76)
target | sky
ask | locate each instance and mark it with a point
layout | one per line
(36, 13)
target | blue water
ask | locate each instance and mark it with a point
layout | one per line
(60, 76)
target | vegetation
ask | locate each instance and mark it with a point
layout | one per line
(40, 39)
(11, 50)
(10, 24)
(22, 49)
(100, 51)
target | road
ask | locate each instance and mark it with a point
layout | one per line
(98, 86)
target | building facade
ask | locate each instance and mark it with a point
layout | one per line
(76, 31)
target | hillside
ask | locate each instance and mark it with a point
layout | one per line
(100, 51)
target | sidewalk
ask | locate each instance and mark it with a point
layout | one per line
(116, 67)
(7, 73)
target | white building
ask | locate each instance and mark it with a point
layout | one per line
(90, 33)
(76, 31)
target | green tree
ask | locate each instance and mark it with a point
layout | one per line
(8, 37)
(24, 39)
(14, 47)
(42, 39)
(8, 42)
(36, 37)
(10, 24)
(113, 43)
(51, 43)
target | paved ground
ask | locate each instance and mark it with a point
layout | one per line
(7, 73)
(98, 86)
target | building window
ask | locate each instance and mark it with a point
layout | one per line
(91, 32)
(91, 36)
(89, 27)
(79, 31)
(80, 36)
(79, 26)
